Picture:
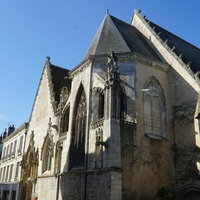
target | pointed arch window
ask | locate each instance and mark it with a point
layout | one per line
(47, 153)
(123, 104)
(79, 129)
(101, 105)
(65, 121)
(118, 102)
(154, 109)
(98, 103)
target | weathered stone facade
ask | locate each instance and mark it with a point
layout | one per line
(119, 126)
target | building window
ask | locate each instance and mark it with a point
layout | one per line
(17, 170)
(98, 103)
(65, 121)
(15, 145)
(123, 104)
(47, 153)
(7, 154)
(4, 154)
(11, 172)
(118, 110)
(101, 105)
(4, 174)
(7, 172)
(1, 174)
(11, 148)
(154, 110)
(77, 147)
(19, 151)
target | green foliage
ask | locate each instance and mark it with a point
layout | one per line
(164, 193)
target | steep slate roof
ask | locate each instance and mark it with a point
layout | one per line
(190, 53)
(58, 77)
(116, 35)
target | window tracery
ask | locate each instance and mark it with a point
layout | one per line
(99, 98)
(47, 152)
(65, 121)
(77, 147)
(154, 109)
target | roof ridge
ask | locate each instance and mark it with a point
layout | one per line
(186, 65)
(148, 21)
(98, 33)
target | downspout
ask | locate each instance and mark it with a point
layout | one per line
(88, 130)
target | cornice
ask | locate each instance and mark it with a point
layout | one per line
(22, 129)
(133, 57)
(79, 68)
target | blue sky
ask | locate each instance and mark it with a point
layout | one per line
(30, 30)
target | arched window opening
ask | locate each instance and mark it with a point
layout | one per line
(118, 102)
(98, 103)
(77, 148)
(154, 109)
(47, 154)
(123, 103)
(101, 106)
(65, 121)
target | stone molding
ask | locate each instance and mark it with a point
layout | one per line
(79, 68)
(122, 57)
(98, 123)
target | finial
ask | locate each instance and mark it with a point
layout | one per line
(107, 11)
(173, 48)
(48, 59)
(188, 64)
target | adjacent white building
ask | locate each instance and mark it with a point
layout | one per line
(10, 164)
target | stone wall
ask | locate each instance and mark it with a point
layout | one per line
(93, 185)
(46, 187)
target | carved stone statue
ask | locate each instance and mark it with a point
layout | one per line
(112, 69)
(112, 58)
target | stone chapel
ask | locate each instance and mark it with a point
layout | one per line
(121, 125)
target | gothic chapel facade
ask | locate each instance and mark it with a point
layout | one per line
(122, 124)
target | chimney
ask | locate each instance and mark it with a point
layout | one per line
(11, 129)
(4, 134)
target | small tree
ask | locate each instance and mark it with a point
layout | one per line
(164, 193)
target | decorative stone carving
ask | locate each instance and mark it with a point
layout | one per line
(99, 138)
(112, 69)
(29, 165)
(97, 123)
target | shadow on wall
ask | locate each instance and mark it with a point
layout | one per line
(78, 184)
(187, 165)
